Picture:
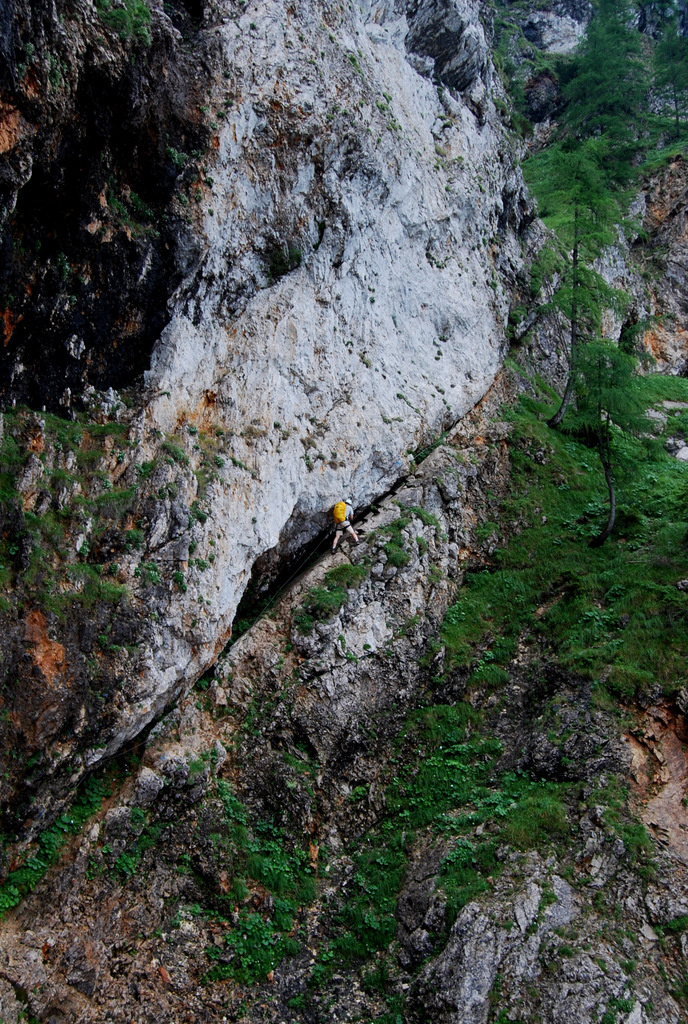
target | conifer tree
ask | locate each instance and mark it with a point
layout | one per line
(608, 403)
(576, 201)
(580, 185)
(607, 91)
(671, 68)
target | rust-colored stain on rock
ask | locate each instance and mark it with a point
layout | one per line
(651, 342)
(8, 321)
(10, 127)
(48, 655)
(659, 770)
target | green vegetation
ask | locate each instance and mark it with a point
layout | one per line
(61, 545)
(611, 616)
(258, 948)
(41, 534)
(131, 20)
(281, 259)
(179, 159)
(176, 452)
(24, 879)
(444, 780)
(614, 797)
(581, 183)
(607, 88)
(571, 182)
(612, 613)
(626, 87)
(426, 518)
(676, 926)
(128, 208)
(610, 407)
(671, 68)
(260, 854)
(325, 601)
(394, 548)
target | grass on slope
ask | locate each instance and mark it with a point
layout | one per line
(444, 782)
(613, 614)
(23, 879)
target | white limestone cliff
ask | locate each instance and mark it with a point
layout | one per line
(404, 203)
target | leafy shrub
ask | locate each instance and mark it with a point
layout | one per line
(614, 611)
(132, 21)
(260, 852)
(134, 539)
(115, 503)
(126, 864)
(176, 452)
(24, 879)
(536, 819)
(149, 571)
(426, 518)
(396, 555)
(257, 948)
(394, 547)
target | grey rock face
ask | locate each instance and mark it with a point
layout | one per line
(298, 722)
(420, 912)
(148, 785)
(450, 34)
(346, 663)
(664, 220)
(389, 330)
(507, 953)
(543, 97)
(10, 1005)
(558, 30)
(353, 244)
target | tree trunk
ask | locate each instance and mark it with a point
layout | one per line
(604, 448)
(555, 420)
(598, 541)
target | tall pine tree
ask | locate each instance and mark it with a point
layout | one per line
(580, 184)
(608, 404)
(671, 69)
(607, 91)
(576, 201)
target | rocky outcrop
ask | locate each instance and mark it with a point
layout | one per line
(515, 955)
(288, 755)
(389, 327)
(525, 34)
(345, 221)
(452, 41)
(318, 683)
(357, 230)
(559, 27)
(99, 115)
(666, 245)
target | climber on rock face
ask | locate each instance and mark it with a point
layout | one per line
(343, 514)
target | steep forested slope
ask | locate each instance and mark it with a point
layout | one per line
(440, 775)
